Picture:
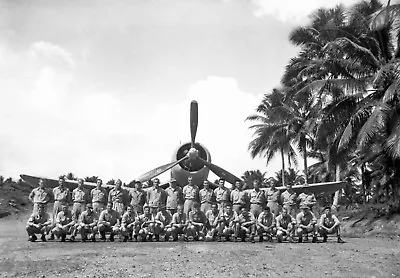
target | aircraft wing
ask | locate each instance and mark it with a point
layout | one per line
(51, 183)
(317, 188)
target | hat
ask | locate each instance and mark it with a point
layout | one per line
(172, 180)
(304, 207)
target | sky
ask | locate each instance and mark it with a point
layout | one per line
(104, 87)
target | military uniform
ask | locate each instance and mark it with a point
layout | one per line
(156, 197)
(146, 225)
(307, 199)
(266, 224)
(109, 223)
(80, 198)
(289, 200)
(212, 219)
(329, 225)
(99, 199)
(174, 198)
(238, 199)
(88, 224)
(64, 224)
(257, 202)
(178, 225)
(246, 225)
(162, 222)
(38, 224)
(222, 197)
(119, 199)
(285, 226)
(191, 195)
(197, 224)
(138, 199)
(40, 197)
(273, 197)
(306, 223)
(207, 198)
(128, 224)
(228, 223)
(62, 197)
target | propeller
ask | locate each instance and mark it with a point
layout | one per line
(231, 178)
(159, 170)
(193, 120)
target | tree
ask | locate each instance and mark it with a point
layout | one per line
(91, 179)
(111, 182)
(250, 176)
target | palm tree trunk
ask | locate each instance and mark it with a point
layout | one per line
(283, 167)
(305, 162)
(337, 193)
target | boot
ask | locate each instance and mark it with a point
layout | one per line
(51, 236)
(300, 239)
(112, 237)
(314, 239)
(125, 239)
(340, 240)
(252, 239)
(43, 238)
(261, 239)
(325, 239)
(63, 237)
(72, 238)
(103, 236)
(157, 237)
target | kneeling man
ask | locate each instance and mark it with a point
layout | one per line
(227, 223)
(266, 224)
(196, 223)
(306, 223)
(178, 224)
(109, 222)
(128, 223)
(38, 223)
(285, 225)
(64, 223)
(88, 224)
(247, 224)
(329, 224)
(162, 221)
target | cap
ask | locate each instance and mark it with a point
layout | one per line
(304, 207)
(327, 207)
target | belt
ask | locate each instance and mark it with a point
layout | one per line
(79, 202)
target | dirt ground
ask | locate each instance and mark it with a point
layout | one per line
(359, 257)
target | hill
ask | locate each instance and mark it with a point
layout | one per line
(14, 198)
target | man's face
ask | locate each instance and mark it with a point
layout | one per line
(41, 183)
(288, 186)
(196, 209)
(64, 209)
(205, 184)
(138, 185)
(99, 183)
(180, 209)
(237, 185)
(118, 184)
(214, 208)
(61, 182)
(146, 210)
(228, 209)
(221, 183)
(80, 182)
(243, 211)
(328, 212)
(173, 184)
(190, 180)
(256, 184)
(89, 209)
(284, 212)
(109, 206)
(41, 210)
(129, 210)
(156, 183)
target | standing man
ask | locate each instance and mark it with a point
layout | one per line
(109, 222)
(99, 197)
(64, 224)
(79, 197)
(38, 223)
(222, 195)
(329, 224)
(190, 194)
(40, 196)
(307, 198)
(207, 197)
(156, 197)
(238, 197)
(87, 224)
(273, 196)
(118, 197)
(285, 225)
(174, 196)
(306, 223)
(62, 197)
(266, 224)
(138, 197)
(289, 200)
(257, 199)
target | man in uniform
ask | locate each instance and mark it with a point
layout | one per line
(228, 223)
(222, 195)
(145, 224)
(289, 200)
(38, 223)
(207, 197)
(257, 199)
(109, 222)
(273, 196)
(285, 225)
(162, 221)
(40, 196)
(88, 221)
(156, 196)
(190, 194)
(178, 223)
(174, 196)
(266, 224)
(128, 223)
(63, 224)
(212, 217)
(247, 224)
(329, 224)
(306, 223)
(138, 197)
(119, 197)
(79, 198)
(196, 223)
(307, 198)
(99, 197)
(62, 197)
(238, 197)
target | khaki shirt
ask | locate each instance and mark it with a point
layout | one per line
(206, 196)
(86, 218)
(138, 197)
(328, 222)
(229, 218)
(156, 197)
(283, 222)
(112, 217)
(273, 196)
(64, 218)
(222, 194)
(174, 197)
(62, 195)
(246, 218)
(306, 219)
(128, 218)
(289, 199)
(257, 197)
(118, 196)
(238, 197)
(212, 217)
(190, 192)
(41, 196)
(197, 217)
(164, 217)
(143, 218)
(307, 199)
(179, 218)
(99, 195)
(80, 196)
(35, 218)
(266, 219)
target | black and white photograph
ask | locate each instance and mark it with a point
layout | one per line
(199, 138)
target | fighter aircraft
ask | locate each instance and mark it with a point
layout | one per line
(193, 159)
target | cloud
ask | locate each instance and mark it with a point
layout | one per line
(51, 51)
(294, 11)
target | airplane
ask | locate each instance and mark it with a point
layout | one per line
(191, 159)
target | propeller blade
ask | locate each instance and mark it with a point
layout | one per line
(193, 120)
(231, 178)
(159, 170)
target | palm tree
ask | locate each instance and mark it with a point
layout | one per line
(250, 176)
